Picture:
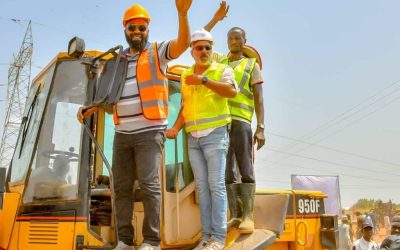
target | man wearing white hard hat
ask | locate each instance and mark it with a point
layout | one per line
(206, 87)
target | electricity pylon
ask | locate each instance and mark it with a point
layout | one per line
(19, 76)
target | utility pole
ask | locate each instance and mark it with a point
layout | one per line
(19, 76)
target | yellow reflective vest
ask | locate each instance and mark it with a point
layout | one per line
(202, 107)
(243, 104)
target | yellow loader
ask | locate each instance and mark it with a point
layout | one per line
(57, 192)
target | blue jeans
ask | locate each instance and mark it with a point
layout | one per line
(208, 159)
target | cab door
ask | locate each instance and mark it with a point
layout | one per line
(180, 212)
(19, 164)
(54, 195)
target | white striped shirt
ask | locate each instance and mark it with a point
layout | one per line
(129, 107)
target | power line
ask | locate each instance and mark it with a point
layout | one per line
(345, 114)
(361, 118)
(50, 27)
(359, 110)
(369, 186)
(335, 132)
(331, 172)
(331, 162)
(33, 65)
(333, 149)
(375, 187)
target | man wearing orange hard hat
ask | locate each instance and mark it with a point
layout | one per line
(140, 118)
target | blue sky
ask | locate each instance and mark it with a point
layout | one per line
(330, 67)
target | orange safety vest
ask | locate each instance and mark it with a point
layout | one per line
(152, 84)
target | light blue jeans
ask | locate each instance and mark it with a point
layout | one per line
(208, 160)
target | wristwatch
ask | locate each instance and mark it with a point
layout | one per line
(204, 80)
(260, 125)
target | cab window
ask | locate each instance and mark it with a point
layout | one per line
(30, 126)
(54, 170)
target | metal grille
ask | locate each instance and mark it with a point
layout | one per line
(45, 232)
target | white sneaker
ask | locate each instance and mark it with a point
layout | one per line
(146, 246)
(202, 244)
(122, 246)
(214, 245)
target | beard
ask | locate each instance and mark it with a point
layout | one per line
(235, 50)
(204, 61)
(136, 44)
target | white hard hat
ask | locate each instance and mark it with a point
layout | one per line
(201, 35)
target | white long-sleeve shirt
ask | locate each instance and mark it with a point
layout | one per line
(344, 237)
(362, 244)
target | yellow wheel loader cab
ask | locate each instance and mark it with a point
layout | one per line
(58, 190)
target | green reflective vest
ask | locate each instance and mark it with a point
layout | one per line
(243, 104)
(202, 107)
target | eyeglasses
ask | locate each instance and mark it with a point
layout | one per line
(201, 47)
(132, 27)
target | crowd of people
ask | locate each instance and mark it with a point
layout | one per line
(364, 232)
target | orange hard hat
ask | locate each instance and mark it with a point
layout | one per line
(135, 11)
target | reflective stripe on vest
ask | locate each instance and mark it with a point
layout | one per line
(243, 104)
(206, 120)
(202, 107)
(152, 85)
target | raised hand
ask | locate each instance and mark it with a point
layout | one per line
(183, 6)
(222, 11)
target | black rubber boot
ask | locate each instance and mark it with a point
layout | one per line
(235, 205)
(247, 191)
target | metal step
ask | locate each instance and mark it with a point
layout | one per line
(258, 240)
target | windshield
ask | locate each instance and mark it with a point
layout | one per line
(54, 171)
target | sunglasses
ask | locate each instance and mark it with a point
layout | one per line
(132, 27)
(201, 47)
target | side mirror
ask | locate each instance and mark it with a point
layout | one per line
(2, 185)
(76, 47)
